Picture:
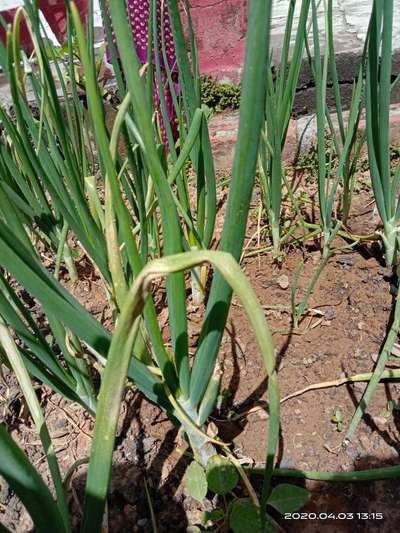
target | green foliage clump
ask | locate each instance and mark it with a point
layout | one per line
(219, 96)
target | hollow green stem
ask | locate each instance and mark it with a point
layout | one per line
(374, 474)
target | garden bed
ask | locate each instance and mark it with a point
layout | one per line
(137, 393)
(350, 311)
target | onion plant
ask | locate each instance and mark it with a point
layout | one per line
(122, 197)
(348, 140)
(17, 363)
(345, 143)
(20, 473)
(385, 181)
(66, 185)
(282, 83)
(378, 91)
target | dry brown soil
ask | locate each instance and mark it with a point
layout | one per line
(352, 307)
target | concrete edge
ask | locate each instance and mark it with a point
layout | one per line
(300, 139)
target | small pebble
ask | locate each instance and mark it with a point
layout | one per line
(345, 260)
(283, 281)
(352, 452)
(380, 421)
(330, 313)
(287, 462)
(262, 415)
(365, 442)
(61, 424)
(309, 361)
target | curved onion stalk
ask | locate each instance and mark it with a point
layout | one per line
(120, 353)
(378, 91)
(281, 90)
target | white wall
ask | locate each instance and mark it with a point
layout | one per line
(8, 4)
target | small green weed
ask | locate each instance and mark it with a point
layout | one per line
(337, 419)
(243, 515)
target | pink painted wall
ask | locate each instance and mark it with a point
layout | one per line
(220, 27)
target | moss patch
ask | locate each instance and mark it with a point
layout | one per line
(219, 96)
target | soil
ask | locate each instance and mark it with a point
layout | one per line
(351, 311)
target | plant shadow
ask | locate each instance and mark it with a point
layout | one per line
(145, 480)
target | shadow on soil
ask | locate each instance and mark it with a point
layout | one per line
(140, 462)
(352, 504)
(139, 484)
